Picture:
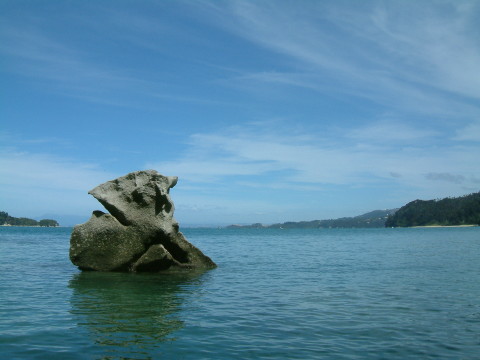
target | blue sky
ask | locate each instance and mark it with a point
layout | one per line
(267, 111)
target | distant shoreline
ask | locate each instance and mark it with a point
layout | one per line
(442, 226)
(35, 226)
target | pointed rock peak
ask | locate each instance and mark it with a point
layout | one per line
(137, 197)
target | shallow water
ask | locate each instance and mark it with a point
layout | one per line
(277, 294)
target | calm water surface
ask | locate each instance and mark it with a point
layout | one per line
(277, 294)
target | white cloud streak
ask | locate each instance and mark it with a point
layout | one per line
(252, 155)
(37, 171)
(42, 57)
(32, 183)
(409, 58)
(76, 71)
(406, 55)
(471, 132)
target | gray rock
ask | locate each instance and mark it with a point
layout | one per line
(139, 234)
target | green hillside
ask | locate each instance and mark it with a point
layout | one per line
(6, 220)
(463, 210)
(373, 219)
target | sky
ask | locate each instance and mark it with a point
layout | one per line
(267, 111)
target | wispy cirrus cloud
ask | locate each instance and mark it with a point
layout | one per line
(42, 170)
(62, 68)
(417, 62)
(393, 131)
(372, 94)
(471, 132)
(33, 183)
(403, 55)
(408, 56)
(291, 159)
(77, 69)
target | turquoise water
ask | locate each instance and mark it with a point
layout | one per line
(277, 294)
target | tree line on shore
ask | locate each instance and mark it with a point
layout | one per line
(464, 210)
(6, 220)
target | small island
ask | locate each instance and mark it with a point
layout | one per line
(7, 220)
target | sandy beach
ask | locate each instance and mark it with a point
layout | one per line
(443, 226)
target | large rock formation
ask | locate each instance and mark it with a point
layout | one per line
(139, 234)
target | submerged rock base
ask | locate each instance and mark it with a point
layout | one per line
(139, 233)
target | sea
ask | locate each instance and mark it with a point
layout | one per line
(276, 294)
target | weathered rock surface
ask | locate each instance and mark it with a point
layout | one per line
(139, 234)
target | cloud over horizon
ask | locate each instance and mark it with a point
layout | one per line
(297, 159)
(280, 106)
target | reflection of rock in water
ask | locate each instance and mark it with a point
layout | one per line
(134, 311)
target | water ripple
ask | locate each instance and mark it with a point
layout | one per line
(330, 294)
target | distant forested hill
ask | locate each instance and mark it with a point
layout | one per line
(6, 219)
(373, 219)
(463, 210)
